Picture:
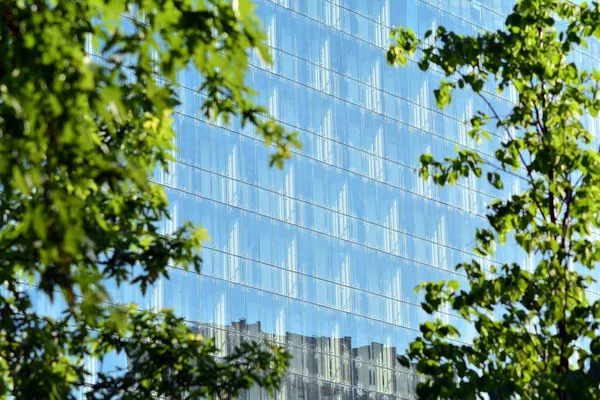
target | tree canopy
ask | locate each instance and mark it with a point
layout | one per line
(85, 119)
(536, 329)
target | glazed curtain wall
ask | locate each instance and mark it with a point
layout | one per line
(323, 256)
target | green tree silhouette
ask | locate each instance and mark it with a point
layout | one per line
(80, 136)
(537, 328)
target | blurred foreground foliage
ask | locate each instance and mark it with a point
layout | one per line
(80, 137)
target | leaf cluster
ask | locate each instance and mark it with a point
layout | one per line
(87, 92)
(536, 326)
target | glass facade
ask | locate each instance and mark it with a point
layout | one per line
(323, 256)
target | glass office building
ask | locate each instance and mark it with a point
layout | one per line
(323, 256)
